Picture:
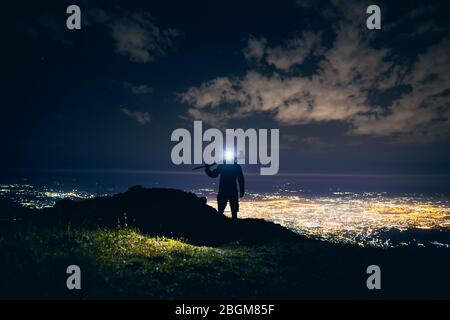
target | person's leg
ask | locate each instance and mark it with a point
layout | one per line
(234, 205)
(221, 203)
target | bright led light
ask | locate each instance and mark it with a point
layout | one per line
(229, 155)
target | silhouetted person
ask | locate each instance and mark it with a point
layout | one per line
(228, 191)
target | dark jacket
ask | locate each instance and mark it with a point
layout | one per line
(229, 173)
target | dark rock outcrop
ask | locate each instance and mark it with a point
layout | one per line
(164, 212)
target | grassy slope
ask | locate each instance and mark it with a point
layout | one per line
(123, 263)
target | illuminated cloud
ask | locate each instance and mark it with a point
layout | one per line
(347, 74)
(424, 112)
(295, 52)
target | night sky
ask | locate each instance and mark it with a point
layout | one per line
(346, 99)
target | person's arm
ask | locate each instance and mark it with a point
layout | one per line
(241, 182)
(212, 173)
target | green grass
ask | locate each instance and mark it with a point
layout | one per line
(123, 263)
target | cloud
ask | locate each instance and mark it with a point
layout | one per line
(138, 38)
(213, 93)
(420, 21)
(142, 118)
(336, 92)
(135, 34)
(140, 89)
(255, 49)
(424, 112)
(347, 74)
(294, 52)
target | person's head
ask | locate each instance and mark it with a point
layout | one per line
(234, 161)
